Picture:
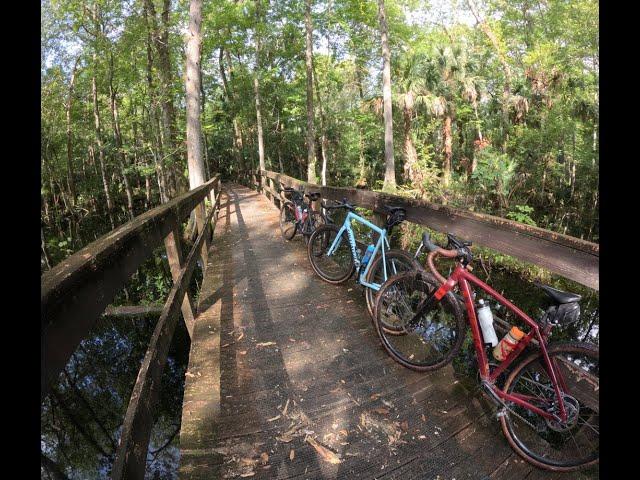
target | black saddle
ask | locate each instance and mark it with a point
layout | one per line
(558, 296)
(313, 196)
(392, 210)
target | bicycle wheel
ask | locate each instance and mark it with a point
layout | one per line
(431, 340)
(549, 444)
(314, 221)
(288, 225)
(336, 268)
(397, 261)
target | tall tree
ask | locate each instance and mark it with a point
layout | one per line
(390, 169)
(311, 134)
(256, 85)
(194, 128)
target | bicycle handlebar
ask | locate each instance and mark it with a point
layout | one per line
(342, 204)
(435, 251)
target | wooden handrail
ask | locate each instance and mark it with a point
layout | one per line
(567, 256)
(75, 292)
(136, 430)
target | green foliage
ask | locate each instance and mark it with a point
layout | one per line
(522, 214)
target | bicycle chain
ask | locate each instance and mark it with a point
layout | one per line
(501, 413)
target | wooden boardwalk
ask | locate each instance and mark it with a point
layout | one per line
(283, 365)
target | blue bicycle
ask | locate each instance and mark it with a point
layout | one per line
(335, 255)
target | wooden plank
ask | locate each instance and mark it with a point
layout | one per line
(174, 257)
(570, 257)
(75, 292)
(132, 311)
(131, 455)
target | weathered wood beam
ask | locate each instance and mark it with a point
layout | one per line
(569, 257)
(75, 292)
(174, 257)
(131, 456)
(132, 311)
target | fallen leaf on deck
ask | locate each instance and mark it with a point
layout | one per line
(244, 352)
(240, 337)
(189, 374)
(274, 418)
(292, 454)
(265, 344)
(286, 406)
(375, 396)
(404, 425)
(424, 419)
(381, 410)
(264, 458)
(248, 474)
(326, 454)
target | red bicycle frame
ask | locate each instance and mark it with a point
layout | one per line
(461, 276)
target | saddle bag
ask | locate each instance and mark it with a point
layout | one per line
(563, 314)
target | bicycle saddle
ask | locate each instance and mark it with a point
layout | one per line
(455, 242)
(559, 296)
(313, 196)
(390, 209)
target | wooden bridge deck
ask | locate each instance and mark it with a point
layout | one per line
(281, 361)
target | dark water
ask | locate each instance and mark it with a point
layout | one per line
(81, 420)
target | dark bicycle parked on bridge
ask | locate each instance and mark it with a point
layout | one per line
(335, 255)
(548, 402)
(298, 215)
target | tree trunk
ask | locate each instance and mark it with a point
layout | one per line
(256, 84)
(117, 137)
(506, 94)
(390, 171)
(324, 143)
(45, 254)
(448, 142)
(362, 181)
(70, 180)
(98, 128)
(160, 37)
(411, 171)
(311, 144)
(194, 129)
(231, 107)
(152, 121)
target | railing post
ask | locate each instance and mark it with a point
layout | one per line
(174, 256)
(200, 219)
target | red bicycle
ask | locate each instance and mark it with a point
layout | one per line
(548, 406)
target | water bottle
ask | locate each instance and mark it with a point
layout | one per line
(305, 213)
(367, 255)
(507, 344)
(298, 212)
(485, 318)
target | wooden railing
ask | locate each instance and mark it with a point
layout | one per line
(77, 291)
(569, 257)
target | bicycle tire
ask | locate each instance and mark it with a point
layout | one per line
(402, 259)
(288, 226)
(586, 390)
(319, 242)
(450, 316)
(317, 219)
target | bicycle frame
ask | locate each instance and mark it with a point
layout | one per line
(462, 277)
(380, 245)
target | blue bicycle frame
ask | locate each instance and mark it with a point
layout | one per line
(380, 244)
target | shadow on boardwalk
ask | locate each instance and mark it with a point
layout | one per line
(281, 360)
